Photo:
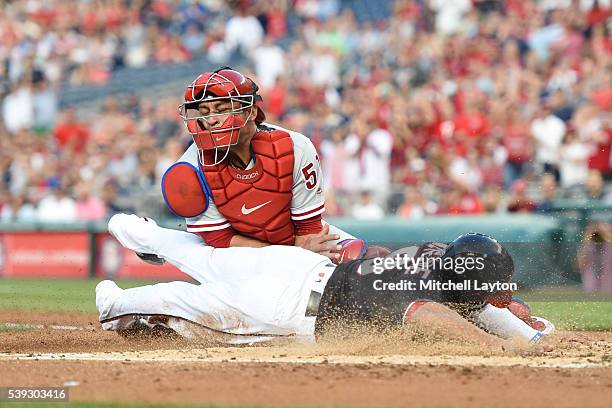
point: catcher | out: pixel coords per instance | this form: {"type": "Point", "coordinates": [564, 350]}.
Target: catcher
{"type": "Point", "coordinates": [244, 182]}
{"type": "Point", "coordinates": [246, 294]}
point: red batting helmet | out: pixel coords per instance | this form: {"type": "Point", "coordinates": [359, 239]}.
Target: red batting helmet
{"type": "Point", "coordinates": [227, 85]}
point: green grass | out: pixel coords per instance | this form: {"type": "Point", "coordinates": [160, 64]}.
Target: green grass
{"type": "Point", "coordinates": [54, 295]}
{"type": "Point", "coordinates": [576, 315]}
{"type": "Point", "coordinates": [567, 308]}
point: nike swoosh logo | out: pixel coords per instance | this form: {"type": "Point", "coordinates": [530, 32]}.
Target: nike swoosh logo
{"type": "Point", "coordinates": [247, 211]}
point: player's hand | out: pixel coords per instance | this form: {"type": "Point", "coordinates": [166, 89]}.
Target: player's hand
{"type": "Point", "coordinates": [319, 243]}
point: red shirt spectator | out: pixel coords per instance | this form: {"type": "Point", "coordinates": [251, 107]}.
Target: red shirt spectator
{"type": "Point", "coordinates": [275, 99]}
{"type": "Point", "coordinates": [69, 133]}
{"type": "Point", "coordinates": [520, 201]}
{"type": "Point", "coordinates": [277, 23]}
{"type": "Point", "coordinates": [473, 124]}
{"type": "Point", "coordinates": [600, 160]}
{"type": "Point", "coordinates": [516, 140]}
{"type": "Point", "coordinates": [471, 204]}
{"type": "Point", "coordinates": [603, 98]}
{"type": "Point", "coordinates": [597, 15]}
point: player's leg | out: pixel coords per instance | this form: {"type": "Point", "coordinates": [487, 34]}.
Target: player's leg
{"type": "Point", "coordinates": [170, 308]}
{"type": "Point", "coordinates": [119, 308]}
{"type": "Point", "coordinates": [269, 295]}
{"type": "Point", "coordinates": [182, 249]}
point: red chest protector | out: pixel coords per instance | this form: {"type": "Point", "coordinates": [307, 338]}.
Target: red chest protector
{"type": "Point", "coordinates": [257, 202]}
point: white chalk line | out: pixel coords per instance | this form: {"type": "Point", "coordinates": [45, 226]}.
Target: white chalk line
{"type": "Point", "coordinates": [33, 326]}
{"type": "Point", "coordinates": [228, 355]}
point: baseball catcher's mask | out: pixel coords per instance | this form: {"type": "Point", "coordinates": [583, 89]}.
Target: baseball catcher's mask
{"type": "Point", "coordinates": [214, 131]}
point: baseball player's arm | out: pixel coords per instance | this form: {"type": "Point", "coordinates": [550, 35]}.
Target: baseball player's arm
{"type": "Point", "coordinates": [308, 202]}
{"type": "Point", "coordinates": [342, 235]}
{"type": "Point", "coordinates": [319, 243]}
{"type": "Point", "coordinates": [441, 320]}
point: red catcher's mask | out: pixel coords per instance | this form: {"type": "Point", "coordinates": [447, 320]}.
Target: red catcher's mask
{"type": "Point", "coordinates": [214, 132]}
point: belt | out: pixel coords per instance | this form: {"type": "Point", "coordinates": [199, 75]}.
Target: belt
{"type": "Point", "coordinates": [314, 300]}
{"type": "Point", "coordinates": [313, 304]}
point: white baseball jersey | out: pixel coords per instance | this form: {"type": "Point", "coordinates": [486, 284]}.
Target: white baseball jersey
{"type": "Point", "coordinates": [308, 200]}
{"type": "Point", "coordinates": [248, 293]}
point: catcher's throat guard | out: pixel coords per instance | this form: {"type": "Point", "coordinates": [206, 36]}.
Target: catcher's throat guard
{"type": "Point", "coordinates": [185, 190]}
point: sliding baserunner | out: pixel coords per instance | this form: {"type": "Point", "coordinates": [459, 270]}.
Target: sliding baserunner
{"type": "Point", "coordinates": [246, 294]}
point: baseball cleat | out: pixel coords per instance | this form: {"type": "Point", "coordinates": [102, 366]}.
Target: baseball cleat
{"type": "Point", "coordinates": [151, 258]}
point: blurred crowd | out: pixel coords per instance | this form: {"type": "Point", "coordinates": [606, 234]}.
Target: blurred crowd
{"type": "Point", "coordinates": [446, 107]}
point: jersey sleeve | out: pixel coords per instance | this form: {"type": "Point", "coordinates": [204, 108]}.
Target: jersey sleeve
{"type": "Point", "coordinates": [308, 200]}
{"type": "Point", "coordinates": [211, 219]}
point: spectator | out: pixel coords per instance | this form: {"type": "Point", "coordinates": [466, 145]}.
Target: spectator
{"type": "Point", "coordinates": [519, 201]}
{"type": "Point", "coordinates": [415, 205]}
{"type": "Point", "coordinates": [593, 259]}
{"type": "Point", "coordinates": [573, 161]}
{"type": "Point", "coordinates": [269, 61]}
{"type": "Point", "coordinates": [112, 201]}
{"type": "Point", "coordinates": [243, 33]}
{"type": "Point", "coordinates": [548, 132]}
{"type": "Point", "coordinates": [449, 14]}
{"type": "Point", "coordinates": [594, 186]}
{"type": "Point", "coordinates": [44, 106]}
{"type": "Point", "coordinates": [518, 146]}
{"type": "Point", "coordinates": [69, 133]}
{"type": "Point", "coordinates": [88, 207]}
{"type": "Point", "coordinates": [18, 209]}
{"type": "Point", "coordinates": [18, 108]}
{"type": "Point", "coordinates": [366, 208]}
{"type": "Point", "coordinates": [601, 154]}
{"type": "Point", "coordinates": [466, 172]}
{"type": "Point", "coordinates": [548, 186]}
{"type": "Point", "coordinates": [193, 39]}
{"type": "Point", "coordinates": [375, 156]}
{"type": "Point", "coordinates": [448, 202]}
{"type": "Point", "coordinates": [334, 162]}
{"type": "Point", "coordinates": [57, 207]}
{"type": "Point", "coordinates": [493, 201]}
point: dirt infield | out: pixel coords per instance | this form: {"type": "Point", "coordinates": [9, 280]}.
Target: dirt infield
{"type": "Point", "coordinates": [71, 348]}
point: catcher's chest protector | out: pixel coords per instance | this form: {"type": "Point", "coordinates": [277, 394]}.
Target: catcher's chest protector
{"type": "Point", "coordinates": [257, 202]}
